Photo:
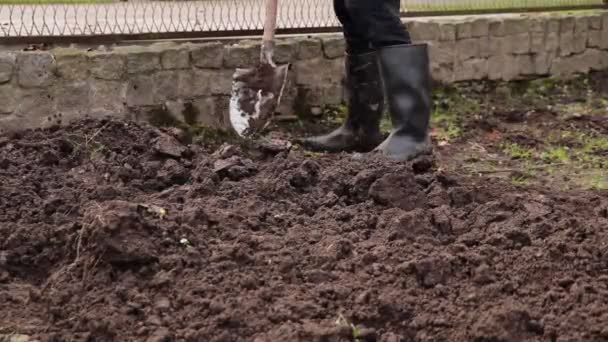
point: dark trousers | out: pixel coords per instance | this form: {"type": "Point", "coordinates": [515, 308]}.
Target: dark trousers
{"type": "Point", "coordinates": [370, 24]}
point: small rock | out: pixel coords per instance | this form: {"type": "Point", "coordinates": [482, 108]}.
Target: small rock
{"type": "Point", "coordinates": [275, 145]}
{"type": "Point", "coordinates": [168, 145]}
{"type": "Point", "coordinates": [226, 151]}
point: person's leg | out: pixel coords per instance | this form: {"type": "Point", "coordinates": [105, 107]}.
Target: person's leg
{"type": "Point", "coordinates": [405, 72]}
{"type": "Point", "coordinates": [365, 97]}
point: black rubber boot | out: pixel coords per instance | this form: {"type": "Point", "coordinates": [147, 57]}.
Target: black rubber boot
{"type": "Point", "coordinates": [406, 73]}
{"type": "Point", "coordinates": [365, 101]}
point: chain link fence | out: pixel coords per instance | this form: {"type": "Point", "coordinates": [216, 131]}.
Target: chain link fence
{"type": "Point", "coordinates": [145, 19]}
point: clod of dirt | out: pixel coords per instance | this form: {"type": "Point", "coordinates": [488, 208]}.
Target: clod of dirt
{"type": "Point", "coordinates": [398, 190]}
{"type": "Point", "coordinates": [120, 233]}
{"type": "Point", "coordinates": [509, 323]}
{"type": "Point", "coordinates": [234, 168]}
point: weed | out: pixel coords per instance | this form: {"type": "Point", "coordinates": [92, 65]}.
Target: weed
{"type": "Point", "coordinates": [342, 321]}
{"type": "Point", "coordinates": [450, 106]}
{"type": "Point", "coordinates": [516, 151]}
{"type": "Point", "coordinates": [556, 154]}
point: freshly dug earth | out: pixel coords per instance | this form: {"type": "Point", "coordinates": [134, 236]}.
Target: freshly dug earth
{"type": "Point", "coordinates": [116, 231]}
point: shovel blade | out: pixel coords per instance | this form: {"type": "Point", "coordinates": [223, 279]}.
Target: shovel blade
{"type": "Point", "coordinates": [256, 93]}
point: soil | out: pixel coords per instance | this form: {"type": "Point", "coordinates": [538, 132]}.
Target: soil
{"type": "Point", "coordinates": [120, 231]}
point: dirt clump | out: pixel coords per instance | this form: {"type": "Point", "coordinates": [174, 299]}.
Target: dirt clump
{"type": "Point", "coordinates": [118, 231]}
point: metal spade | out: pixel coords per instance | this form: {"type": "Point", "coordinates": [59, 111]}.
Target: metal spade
{"type": "Point", "coordinates": [257, 91]}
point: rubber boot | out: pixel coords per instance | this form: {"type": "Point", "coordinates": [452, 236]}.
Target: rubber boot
{"type": "Point", "coordinates": [406, 74]}
{"type": "Point", "coordinates": [360, 132]}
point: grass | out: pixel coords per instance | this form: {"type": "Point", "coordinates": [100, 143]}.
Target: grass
{"type": "Point", "coordinates": [450, 107]}
{"type": "Point", "coordinates": [446, 5]}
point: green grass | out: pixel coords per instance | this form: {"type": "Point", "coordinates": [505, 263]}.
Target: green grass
{"type": "Point", "coordinates": [446, 5]}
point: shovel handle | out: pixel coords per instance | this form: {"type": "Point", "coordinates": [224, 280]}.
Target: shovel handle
{"type": "Point", "coordinates": [270, 23]}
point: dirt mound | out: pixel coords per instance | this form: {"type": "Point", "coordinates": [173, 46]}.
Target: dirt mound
{"type": "Point", "coordinates": [117, 231]}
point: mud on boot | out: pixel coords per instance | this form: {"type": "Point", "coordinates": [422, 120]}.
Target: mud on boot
{"type": "Point", "coordinates": [360, 132]}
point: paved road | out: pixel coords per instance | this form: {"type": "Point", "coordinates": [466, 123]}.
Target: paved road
{"type": "Point", "coordinates": [159, 16]}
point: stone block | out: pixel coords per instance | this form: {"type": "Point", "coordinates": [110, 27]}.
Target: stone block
{"type": "Point", "coordinates": [566, 44]}
{"type": "Point", "coordinates": [594, 38]}
{"type": "Point", "coordinates": [580, 42]}
{"type": "Point", "coordinates": [35, 69]}
{"type": "Point", "coordinates": [9, 99]}
{"type": "Point", "coordinates": [537, 42]}
{"type": "Point", "coordinates": [553, 26]}
{"type": "Point", "coordinates": [497, 28]}
{"type": "Point", "coordinates": [517, 44]}
{"type": "Point", "coordinates": [566, 25]}
{"type": "Point", "coordinates": [467, 49]}
{"type": "Point", "coordinates": [72, 97]}
{"type": "Point", "coordinates": [605, 21]}
{"type": "Point", "coordinates": [581, 25]}
{"type": "Point", "coordinates": [319, 96]}
{"type": "Point", "coordinates": [542, 63]}
{"type": "Point", "coordinates": [221, 82]}
{"type": "Point", "coordinates": [72, 64]}
{"type": "Point", "coordinates": [7, 66]}
{"type": "Point", "coordinates": [485, 50]}
{"type": "Point", "coordinates": [588, 60]}
{"type": "Point", "coordinates": [34, 108]}
{"type": "Point", "coordinates": [604, 39]}
{"type": "Point", "coordinates": [464, 30]}
{"type": "Point", "coordinates": [140, 91]}
{"type": "Point", "coordinates": [480, 27]}
{"type": "Point", "coordinates": [307, 72]}
{"type": "Point", "coordinates": [334, 47]}
{"type": "Point", "coordinates": [309, 48]}
{"type": "Point", "coordinates": [564, 67]}
{"type": "Point", "coordinates": [205, 112]}
{"type": "Point", "coordinates": [525, 64]}
{"type": "Point", "coordinates": [108, 65]}
{"type": "Point", "coordinates": [447, 32]}
{"type": "Point", "coordinates": [495, 46]}
{"type": "Point", "coordinates": [108, 98]}
{"type": "Point", "coordinates": [503, 67]}
{"type": "Point", "coordinates": [208, 55]}
{"type": "Point", "coordinates": [424, 30]}
{"type": "Point", "coordinates": [175, 58]}
{"type": "Point", "coordinates": [603, 64]}
{"type": "Point", "coordinates": [140, 59]}
{"type": "Point", "coordinates": [442, 53]}
{"type": "Point", "coordinates": [285, 51]}
{"type": "Point", "coordinates": [442, 73]}
{"type": "Point", "coordinates": [516, 26]}
{"type": "Point", "coordinates": [595, 22]}
{"type": "Point", "coordinates": [166, 85]}
{"type": "Point", "coordinates": [538, 25]}
{"type": "Point", "coordinates": [552, 42]}
{"type": "Point", "coordinates": [472, 69]}
{"type": "Point", "coordinates": [194, 83]}
{"type": "Point", "coordinates": [242, 55]}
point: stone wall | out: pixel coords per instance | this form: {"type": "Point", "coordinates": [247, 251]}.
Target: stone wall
{"type": "Point", "coordinates": [191, 81]}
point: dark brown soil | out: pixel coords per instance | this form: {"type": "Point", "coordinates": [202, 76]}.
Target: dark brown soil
{"type": "Point", "coordinates": [115, 231]}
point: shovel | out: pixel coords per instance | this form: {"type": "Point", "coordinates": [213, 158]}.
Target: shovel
{"type": "Point", "coordinates": [257, 91]}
